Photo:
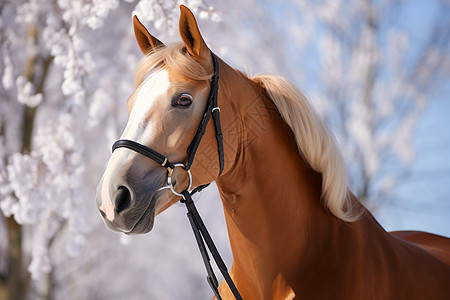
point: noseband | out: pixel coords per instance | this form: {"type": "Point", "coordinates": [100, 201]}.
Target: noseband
{"type": "Point", "coordinates": [200, 232]}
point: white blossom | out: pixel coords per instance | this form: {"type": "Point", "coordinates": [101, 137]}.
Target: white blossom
{"type": "Point", "coordinates": [25, 93]}
{"type": "Point", "coordinates": [8, 74]}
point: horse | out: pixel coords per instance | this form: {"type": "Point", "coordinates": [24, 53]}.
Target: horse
{"type": "Point", "coordinates": [296, 230]}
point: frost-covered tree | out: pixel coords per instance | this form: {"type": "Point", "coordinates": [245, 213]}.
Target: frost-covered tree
{"type": "Point", "coordinates": [67, 70]}
{"type": "Point", "coordinates": [377, 73]}
{"type": "Point", "coordinates": [62, 86]}
{"type": "Point", "coordinates": [369, 68]}
{"type": "Point", "coordinates": [45, 92]}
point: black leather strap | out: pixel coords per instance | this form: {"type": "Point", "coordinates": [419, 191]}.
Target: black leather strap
{"type": "Point", "coordinates": [202, 236]}
{"type": "Point", "coordinates": [144, 150]}
{"type": "Point", "coordinates": [211, 109]}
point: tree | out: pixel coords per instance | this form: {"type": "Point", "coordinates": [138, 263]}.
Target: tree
{"type": "Point", "coordinates": [370, 74]}
{"type": "Point", "coordinates": [52, 97]}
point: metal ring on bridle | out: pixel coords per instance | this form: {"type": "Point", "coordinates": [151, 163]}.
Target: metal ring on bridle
{"type": "Point", "coordinates": [169, 180]}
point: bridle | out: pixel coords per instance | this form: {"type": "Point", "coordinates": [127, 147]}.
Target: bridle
{"type": "Point", "coordinates": [200, 232]}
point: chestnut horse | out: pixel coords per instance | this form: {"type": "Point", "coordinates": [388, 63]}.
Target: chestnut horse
{"type": "Point", "coordinates": [295, 229]}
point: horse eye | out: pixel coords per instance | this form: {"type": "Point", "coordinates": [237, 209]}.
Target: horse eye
{"type": "Point", "coordinates": [184, 101]}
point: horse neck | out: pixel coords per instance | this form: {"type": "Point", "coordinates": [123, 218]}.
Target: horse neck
{"type": "Point", "coordinates": [271, 196]}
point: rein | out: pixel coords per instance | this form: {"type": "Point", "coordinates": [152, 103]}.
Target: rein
{"type": "Point", "coordinates": [198, 227]}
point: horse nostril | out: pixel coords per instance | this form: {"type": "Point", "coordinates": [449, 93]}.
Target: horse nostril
{"type": "Point", "coordinates": [122, 199]}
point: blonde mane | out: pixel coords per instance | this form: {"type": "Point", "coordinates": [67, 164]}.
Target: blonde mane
{"type": "Point", "coordinates": [175, 57]}
{"type": "Point", "coordinates": [315, 142]}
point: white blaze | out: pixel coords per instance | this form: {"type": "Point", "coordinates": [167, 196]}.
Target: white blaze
{"type": "Point", "coordinates": [150, 90]}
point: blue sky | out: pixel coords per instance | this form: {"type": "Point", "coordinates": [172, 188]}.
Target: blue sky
{"type": "Point", "coordinates": [423, 200]}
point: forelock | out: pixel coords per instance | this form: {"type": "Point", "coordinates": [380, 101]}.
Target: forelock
{"type": "Point", "coordinates": [176, 58]}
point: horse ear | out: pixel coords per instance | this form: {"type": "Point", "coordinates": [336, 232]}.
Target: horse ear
{"type": "Point", "coordinates": [145, 40]}
{"type": "Point", "coordinates": [191, 36]}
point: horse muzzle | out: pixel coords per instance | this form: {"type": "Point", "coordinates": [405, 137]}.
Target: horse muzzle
{"type": "Point", "coordinates": [127, 198]}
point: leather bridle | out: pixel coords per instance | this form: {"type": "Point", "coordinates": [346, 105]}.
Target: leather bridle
{"type": "Point", "coordinates": [201, 233]}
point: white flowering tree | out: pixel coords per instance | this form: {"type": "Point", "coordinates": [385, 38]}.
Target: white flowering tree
{"type": "Point", "coordinates": [370, 68]}
{"type": "Point", "coordinates": [67, 70]}
{"type": "Point", "coordinates": [380, 73]}
{"type": "Point", "coordinates": [62, 79]}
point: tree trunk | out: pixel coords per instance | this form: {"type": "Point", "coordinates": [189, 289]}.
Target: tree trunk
{"type": "Point", "coordinates": [14, 284]}
{"type": "Point", "coordinates": [15, 288]}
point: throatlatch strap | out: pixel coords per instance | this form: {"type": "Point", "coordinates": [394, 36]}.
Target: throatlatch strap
{"type": "Point", "coordinates": [202, 236]}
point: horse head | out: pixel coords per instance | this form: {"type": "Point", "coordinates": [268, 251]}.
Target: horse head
{"type": "Point", "coordinates": [172, 88]}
